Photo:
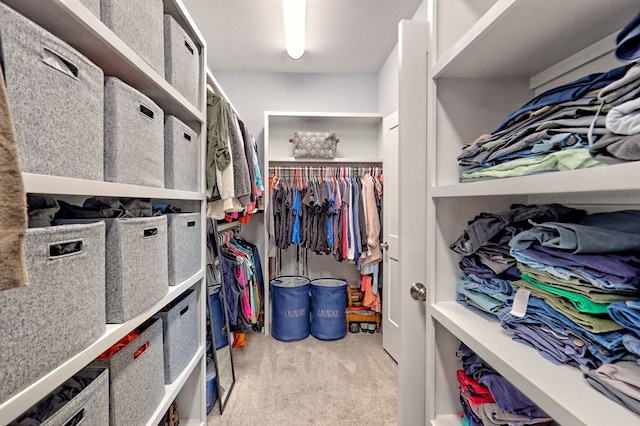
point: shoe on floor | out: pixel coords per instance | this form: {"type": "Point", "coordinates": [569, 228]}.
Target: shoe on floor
{"type": "Point", "coordinates": [354, 327]}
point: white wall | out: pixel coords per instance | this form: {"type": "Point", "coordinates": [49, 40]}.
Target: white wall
{"type": "Point", "coordinates": [388, 76]}
{"type": "Point", "coordinates": [253, 93]}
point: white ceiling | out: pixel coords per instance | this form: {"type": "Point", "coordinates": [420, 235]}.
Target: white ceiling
{"type": "Point", "coordinates": [343, 36]}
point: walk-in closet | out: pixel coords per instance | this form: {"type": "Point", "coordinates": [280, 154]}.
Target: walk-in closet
{"type": "Point", "coordinates": [314, 212]}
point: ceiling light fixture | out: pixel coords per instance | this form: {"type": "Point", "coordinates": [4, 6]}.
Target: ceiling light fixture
{"type": "Point", "coordinates": [294, 26]}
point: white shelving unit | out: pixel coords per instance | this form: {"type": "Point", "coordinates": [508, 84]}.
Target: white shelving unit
{"type": "Point", "coordinates": [76, 25]}
{"type": "Point", "coordinates": [360, 145]}
{"type": "Point", "coordinates": [486, 59]}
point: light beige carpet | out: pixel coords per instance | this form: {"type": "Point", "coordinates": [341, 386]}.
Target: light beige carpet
{"type": "Point", "coordinates": [351, 381]}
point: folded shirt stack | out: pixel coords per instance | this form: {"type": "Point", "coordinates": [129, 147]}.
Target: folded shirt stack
{"type": "Point", "coordinates": [488, 399]}
{"type": "Point", "coordinates": [488, 267]}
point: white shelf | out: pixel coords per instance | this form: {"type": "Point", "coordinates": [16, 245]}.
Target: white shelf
{"type": "Point", "coordinates": [28, 397]}
{"type": "Point", "coordinates": [618, 177]}
{"type": "Point", "coordinates": [323, 116]}
{"type": "Point", "coordinates": [448, 420]}
{"type": "Point", "coordinates": [324, 161]}
{"type": "Point", "coordinates": [44, 184]}
{"type": "Point", "coordinates": [561, 391]}
{"type": "Point", "coordinates": [521, 38]}
{"type": "Point", "coordinates": [172, 390]}
{"type": "Point", "coordinates": [75, 24]}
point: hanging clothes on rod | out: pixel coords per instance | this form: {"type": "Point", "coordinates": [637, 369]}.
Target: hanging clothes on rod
{"type": "Point", "coordinates": [242, 280]}
{"type": "Point", "coordinates": [330, 210]}
{"type": "Point", "coordinates": [234, 180]}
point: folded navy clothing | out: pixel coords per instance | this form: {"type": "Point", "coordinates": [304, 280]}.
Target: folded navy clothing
{"type": "Point", "coordinates": [570, 91]}
{"type": "Point", "coordinates": [628, 41]}
{"type": "Point", "coordinates": [54, 402]}
{"type": "Point", "coordinates": [509, 398]}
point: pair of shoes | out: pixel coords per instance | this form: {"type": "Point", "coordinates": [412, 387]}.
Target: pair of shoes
{"type": "Point", "coordinates": [367, 327]}
{"type": "Point", "coordinates": [354, 327]}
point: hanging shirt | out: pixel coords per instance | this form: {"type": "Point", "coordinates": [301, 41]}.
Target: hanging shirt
{"type": "Point", "coordinates": [297, 211]}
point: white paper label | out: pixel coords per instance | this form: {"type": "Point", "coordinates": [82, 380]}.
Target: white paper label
{"type": "Point", "coordinates": [520, 303]}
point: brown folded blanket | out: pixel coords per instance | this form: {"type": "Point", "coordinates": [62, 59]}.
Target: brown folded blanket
{"type": "Point", "coordinates": [13, 204]}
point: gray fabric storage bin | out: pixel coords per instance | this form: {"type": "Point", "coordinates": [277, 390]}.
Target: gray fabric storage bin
{"type": "Point", "coordinates": [56, 99]}
{"type": "Point", "coordinates": [89, 407]}
{"type": "Point", "coordinates": [133, 136]}
{"type": "Point", "coordinates": [184, 246]}
{"type": "Point", "coordinates": [180, 334]}
{"type": "Point", "coordinates": [93, 6]}
{"type": "Point", "coordinates": [136, 383]}
{"type": "Point", "coordinates": [181, 61]}
{"type": "Point", "coordinates": [136, 266]}
{"type": "Point", "coordinates": [62, 310]}
{"type": "Point", "coordinates": [181, 145]}
{"type": "Point", "coordinates": [139, 24]}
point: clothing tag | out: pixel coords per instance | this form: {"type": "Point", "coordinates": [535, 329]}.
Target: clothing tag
{"type": "Point", "coordinates": [520, 303]}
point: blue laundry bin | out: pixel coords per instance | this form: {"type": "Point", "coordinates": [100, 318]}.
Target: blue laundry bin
{"type": "Point", "coordinates": [220, 336]}
{"type": "Point", "coordinates": [328, 308]}
{"type": "Point", "coordinates": [290, 319]}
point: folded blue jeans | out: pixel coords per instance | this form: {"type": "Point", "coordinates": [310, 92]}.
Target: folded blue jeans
{"type": "Point", "coordinates": [607, 347]}
{"type": "Point", "coordinates": [627, 314]}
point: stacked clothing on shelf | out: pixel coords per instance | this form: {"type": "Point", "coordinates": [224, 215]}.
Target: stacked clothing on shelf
{"type": "Point", "coordinates": [487, 265]}
{"type": "Point", "coordinates": [548, 133]}
{"type": "Point", "coordinates": [234, 180]}
{"type": "Point", "coordinates": [488, 399]}
{"type": "Point", "coordinates": [574, 272]}
{"type": "Point", "coordinates": [553, 131]}
{"type": "Point", "coordinates": [43, 210]}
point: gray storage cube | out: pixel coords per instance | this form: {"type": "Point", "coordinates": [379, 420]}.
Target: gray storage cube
{"type": "Point", "coordinates": [62, 310]}
{"type": "Point", "coordinates": [133, 136]}
{"type": "Point", "coordinates": [139, 24]}
{"type": "Point", "coordinates": [136, 379]}
{"type": "Point", "coordinates": [93, 6]}
{"type": "Point", "coordinates": [136, 266]}
{"type": "Point", "coordinates": [181, 145]}
{"type": "Point", "coordinates": [180, 334]}
{"type": "Point", "coordinates": [184, 246]}
{"type": "Point", "coordinates": [181, 61]}
{"type": "Point", "coordinates": [56, 99]}
{"type": "Point", "coordinates": [89, 407]}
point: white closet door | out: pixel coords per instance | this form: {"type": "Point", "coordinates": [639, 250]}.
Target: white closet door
{"type": "Point", "coordinates": [391, 255]}
{"type": "Point", "coordinates": [412, 205]}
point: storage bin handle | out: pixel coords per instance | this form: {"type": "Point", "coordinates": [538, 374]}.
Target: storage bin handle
{"type": "Point", "coordinates": [184, 311]}
{"type": "Point", "coordinates": [187, 136]}
{"type": "Point", "coordinates": [68, 248]}
{"type": "Point", "coordinates": [146, 111]}
{"type": "Point", "coordinates": [77, 418]}
{"type": "Point", "coordinates": [140, 350]}
{"type": "Point", "coordinates": [191, 223]}
{"type": "Point", "coordinates": [189, 48]}
{"type": "Point", "coordinates": [57, 62]}
{"type": "Point", "coordinates": [151, 232]}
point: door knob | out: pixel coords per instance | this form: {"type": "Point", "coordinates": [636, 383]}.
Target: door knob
{"type": "Point", "coordinates": [385, 245]}
{"type": "Point", "coordinates": [419, 292]}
